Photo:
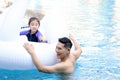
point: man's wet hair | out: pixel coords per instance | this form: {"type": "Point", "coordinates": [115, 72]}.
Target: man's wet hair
{"type": "Point", "coordinates": [67, 42]}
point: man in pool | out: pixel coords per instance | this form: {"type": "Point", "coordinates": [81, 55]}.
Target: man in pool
{"type": "Point", "coordinates": [63, 50]}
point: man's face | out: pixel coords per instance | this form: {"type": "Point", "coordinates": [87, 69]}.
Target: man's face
{"type": "Point", "coordinates": [61, 50]}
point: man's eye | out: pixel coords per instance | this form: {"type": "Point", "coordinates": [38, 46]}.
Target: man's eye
{"type": "Point", "coordinates": [59, 48]}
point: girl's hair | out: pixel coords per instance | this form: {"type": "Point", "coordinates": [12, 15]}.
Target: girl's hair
{"type": "Point", "coordinates": [32, 19]}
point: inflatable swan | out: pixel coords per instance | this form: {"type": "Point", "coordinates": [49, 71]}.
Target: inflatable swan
{"type": "Point", "coordinates": [13, 56]}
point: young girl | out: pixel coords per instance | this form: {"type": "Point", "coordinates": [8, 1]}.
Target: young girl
{"type": "Point", "coordinates": [33, 34]}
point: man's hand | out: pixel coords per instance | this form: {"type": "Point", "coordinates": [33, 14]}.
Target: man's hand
{"type": "Point", "coordinates": [71, 36]}
{"type": "Point", "coordinates": [29, 47]}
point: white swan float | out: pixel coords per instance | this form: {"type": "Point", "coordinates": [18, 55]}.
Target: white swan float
{"type": "Point", "coordinates": [13, 56]}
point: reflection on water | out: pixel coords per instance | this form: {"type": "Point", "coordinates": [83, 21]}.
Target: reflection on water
{"type": "Point", "coordinates": [98, 32]}
{"type": "Point", "coordinates": [95, 23]}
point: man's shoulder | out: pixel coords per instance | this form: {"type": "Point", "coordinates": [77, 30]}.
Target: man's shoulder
{"type": "Point", "coordinates": [73, 56]}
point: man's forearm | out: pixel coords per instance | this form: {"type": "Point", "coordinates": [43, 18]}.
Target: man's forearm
{"type": "Point", "coordinates": [76, 44]}
{"type": "Point", "coordinates": [36, 61]}
{"type": "Point", "coordinates": [77, 48]}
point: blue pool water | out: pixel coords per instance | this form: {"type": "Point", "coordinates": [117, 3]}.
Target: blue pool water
{"type": "Point", "coordinates": [96, 26]}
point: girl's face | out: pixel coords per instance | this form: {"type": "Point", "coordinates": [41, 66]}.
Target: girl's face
{"type": "Point", "coordinates": [34, 26]}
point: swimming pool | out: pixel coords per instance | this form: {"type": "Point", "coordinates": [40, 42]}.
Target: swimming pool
{"type": "Point", "coordinates": [96, 26]}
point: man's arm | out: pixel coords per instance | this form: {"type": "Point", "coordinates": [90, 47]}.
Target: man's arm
{"type": "Point", "coordinates": [60, 67]}
{"type": "Point", "coordinates": [78, 49]}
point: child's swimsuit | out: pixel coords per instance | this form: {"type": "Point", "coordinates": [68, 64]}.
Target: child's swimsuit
{"type": "Point", "coordinates": [32, 37]}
